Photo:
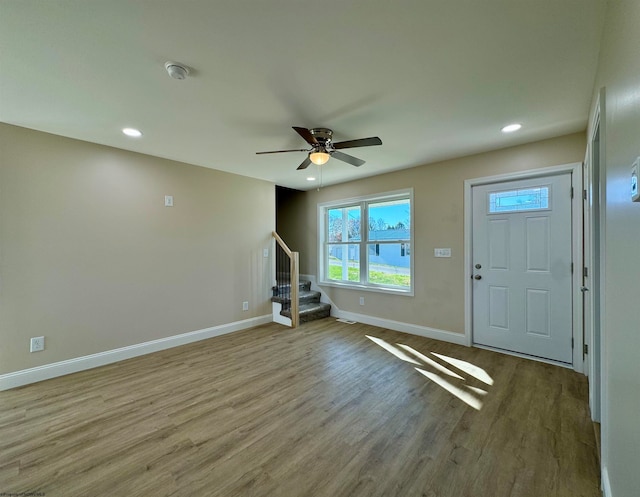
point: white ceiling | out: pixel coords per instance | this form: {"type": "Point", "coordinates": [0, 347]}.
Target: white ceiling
{"type": "Point", "coordinates": [434, 79]}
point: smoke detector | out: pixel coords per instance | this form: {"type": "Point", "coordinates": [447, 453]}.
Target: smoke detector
{"type": "Point", "coordinates": [175, 70]}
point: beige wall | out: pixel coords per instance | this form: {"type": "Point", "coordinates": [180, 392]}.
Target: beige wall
{"type": "Point", "coordinates": [619, 73]}
{"type": "Point", "coordinates": [91, 259]}
{"type": "Point", "coordinates": [438, 220]}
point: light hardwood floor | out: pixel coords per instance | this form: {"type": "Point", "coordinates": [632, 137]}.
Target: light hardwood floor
{"type": "Point", "coordinates": [319, 411]}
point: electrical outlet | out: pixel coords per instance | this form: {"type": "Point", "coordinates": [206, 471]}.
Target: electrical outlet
{"type": "Point", "coordinates": [245, 306]}
{"type": "Point", "coordinates": [361, 300]}
{"type": "Point", "coordinates": [265, 253]}
{"type": "Point", "coordinates": [37, 344]}
{"type": "Point", "coordinates": [168, 200]}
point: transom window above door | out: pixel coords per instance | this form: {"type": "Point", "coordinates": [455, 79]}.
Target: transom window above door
{"type": "Point", "coordinates": [527, 199]}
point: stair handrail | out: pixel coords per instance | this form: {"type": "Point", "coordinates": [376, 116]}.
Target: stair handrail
{"type": "Point", "coordinates": [294, 271]}
{"type": "Point", "coordinates": [281, 242]}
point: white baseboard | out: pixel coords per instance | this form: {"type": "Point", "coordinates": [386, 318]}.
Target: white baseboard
{"type": "Point", "coordinates": [606, 485]}
{"type": "Point", "coordinates": [413, 329]}
{"type": "Point", "coordinates": [48, 371]}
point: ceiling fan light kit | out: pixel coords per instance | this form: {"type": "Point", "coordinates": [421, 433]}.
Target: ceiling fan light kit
{"type": "Point", "coordinates": [319, 158]}
{"type": "Point", "coordinates": [323, 148]}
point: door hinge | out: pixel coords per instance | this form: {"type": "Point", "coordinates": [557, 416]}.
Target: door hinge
{"type": "Point", "coordinates": [572, 268]}
{"type": "Point", "coordinates": [585, 349]}
{"type": "Point", "coordinates": [572, 342]}
{"type": "Point", "coordinates": [584, 194]}
{"type": "Point", "coordinates": [585, 272]}
{"type": "Point", "coordinates": [572, 192]}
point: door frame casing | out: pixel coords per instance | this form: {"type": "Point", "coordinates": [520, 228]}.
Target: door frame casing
{"type": "Point", "coordinates": [597, 121]}
{"type": "Point", "coordinates": [594, 260]}
{"type": "Point", "coordinates": [575, 169]}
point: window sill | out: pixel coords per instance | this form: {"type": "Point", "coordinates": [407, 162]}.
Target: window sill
{"type": "Point", "coordinates": [368, 288]}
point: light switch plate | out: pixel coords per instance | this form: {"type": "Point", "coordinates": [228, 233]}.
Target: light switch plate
{"type": "Point", "coordinates": [442, 252]}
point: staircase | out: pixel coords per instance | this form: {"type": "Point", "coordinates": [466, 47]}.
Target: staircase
{"type": "Point", "coordinates": [310, 307]}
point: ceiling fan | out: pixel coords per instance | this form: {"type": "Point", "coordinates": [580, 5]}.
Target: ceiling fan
{"type": "Point", "coordinates": [322, 148]}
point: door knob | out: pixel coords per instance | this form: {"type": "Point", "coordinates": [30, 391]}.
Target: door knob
{"type": "Point", "coordinates": [477, 277]}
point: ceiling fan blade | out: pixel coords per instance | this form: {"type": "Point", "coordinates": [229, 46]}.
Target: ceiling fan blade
{"type": "Point", "coordinates": [305, 164]}
{"type": "Point", "coordinates": [280, 151]}
{"type": "Point", "coordinates": [306, 134]}
{"type": "Point", "coordinates": [350, 159]}
{"type": "Point", "coordinates": [362, 142]}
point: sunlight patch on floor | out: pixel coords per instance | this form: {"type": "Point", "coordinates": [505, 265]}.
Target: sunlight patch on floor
{"type": "Point", "coordinates": [466, 397]}
{"type": "Point", "coordinates": [430, 362]}
{"type": "Point", "coordinates": [466, 393]}
{"type": "Point", "coordinates": [472, 370]}
{"type": "Point", "coordinates": [476, 390]}
{"type": "Point", "coordinates": [393, 349]}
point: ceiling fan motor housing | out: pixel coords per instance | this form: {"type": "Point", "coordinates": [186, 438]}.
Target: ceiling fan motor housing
{"type": "Point", "coordinates": [322, 134]}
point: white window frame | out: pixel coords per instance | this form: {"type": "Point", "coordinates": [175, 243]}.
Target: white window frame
{"type": "Point", "coordinates": [364, 202]}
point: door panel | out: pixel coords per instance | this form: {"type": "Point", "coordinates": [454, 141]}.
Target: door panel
{"type": "Point", "coordinates": [499, 307]}
{"type": "Point", "coordinates": [499, 243]}
{"type": "Point", "coordinates": [537, 243]}
{"type": "Point", "coordinates": [522, 288]}
{"type": "Point", "coordinates": [538, 312]}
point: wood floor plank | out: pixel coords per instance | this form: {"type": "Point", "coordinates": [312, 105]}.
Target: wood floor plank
{"type": "Point", "coordinates": [328, 409]}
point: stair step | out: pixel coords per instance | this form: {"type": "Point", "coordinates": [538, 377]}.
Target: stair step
{"type": "Point", "coordinates": [311, 311]}
{"type": "Point", "coordinates": [310, 307]}
{"type": "Point", "coordinates": [304, 297]}
{"type": "Point", "coordinates": [308, 297]}
{"type": "Point", "coordinates": [285, 288]}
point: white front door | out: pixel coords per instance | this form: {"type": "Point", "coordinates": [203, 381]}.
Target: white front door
{"type": "Point", "coordinates": [522, 299]}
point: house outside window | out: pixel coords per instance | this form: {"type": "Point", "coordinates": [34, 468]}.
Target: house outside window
{"type": "Point", "coordinates": [365, 242]}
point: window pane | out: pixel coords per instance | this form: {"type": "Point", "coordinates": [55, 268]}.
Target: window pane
{"type": "Point", "coordinates": [389, 264]}
{"type": "Point", "coordinates": [519, 200]}
{"type": "Point", "coordinates": [344, 224]}
{"type": "Point", "coordinates": [390, 220]}
{"type": "Point", "coordinates": [343, 262]}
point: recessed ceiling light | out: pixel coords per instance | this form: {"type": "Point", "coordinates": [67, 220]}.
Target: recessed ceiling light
{"type": "Point", "coordinates": [510, 128]}
{"type": "Point", "coordinates": [134, 133]}
{"type": "Point", "coordinates": [311, 178]}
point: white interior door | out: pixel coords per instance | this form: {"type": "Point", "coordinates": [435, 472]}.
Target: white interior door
{"type": "Point", "coordinates": [521, 246]}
